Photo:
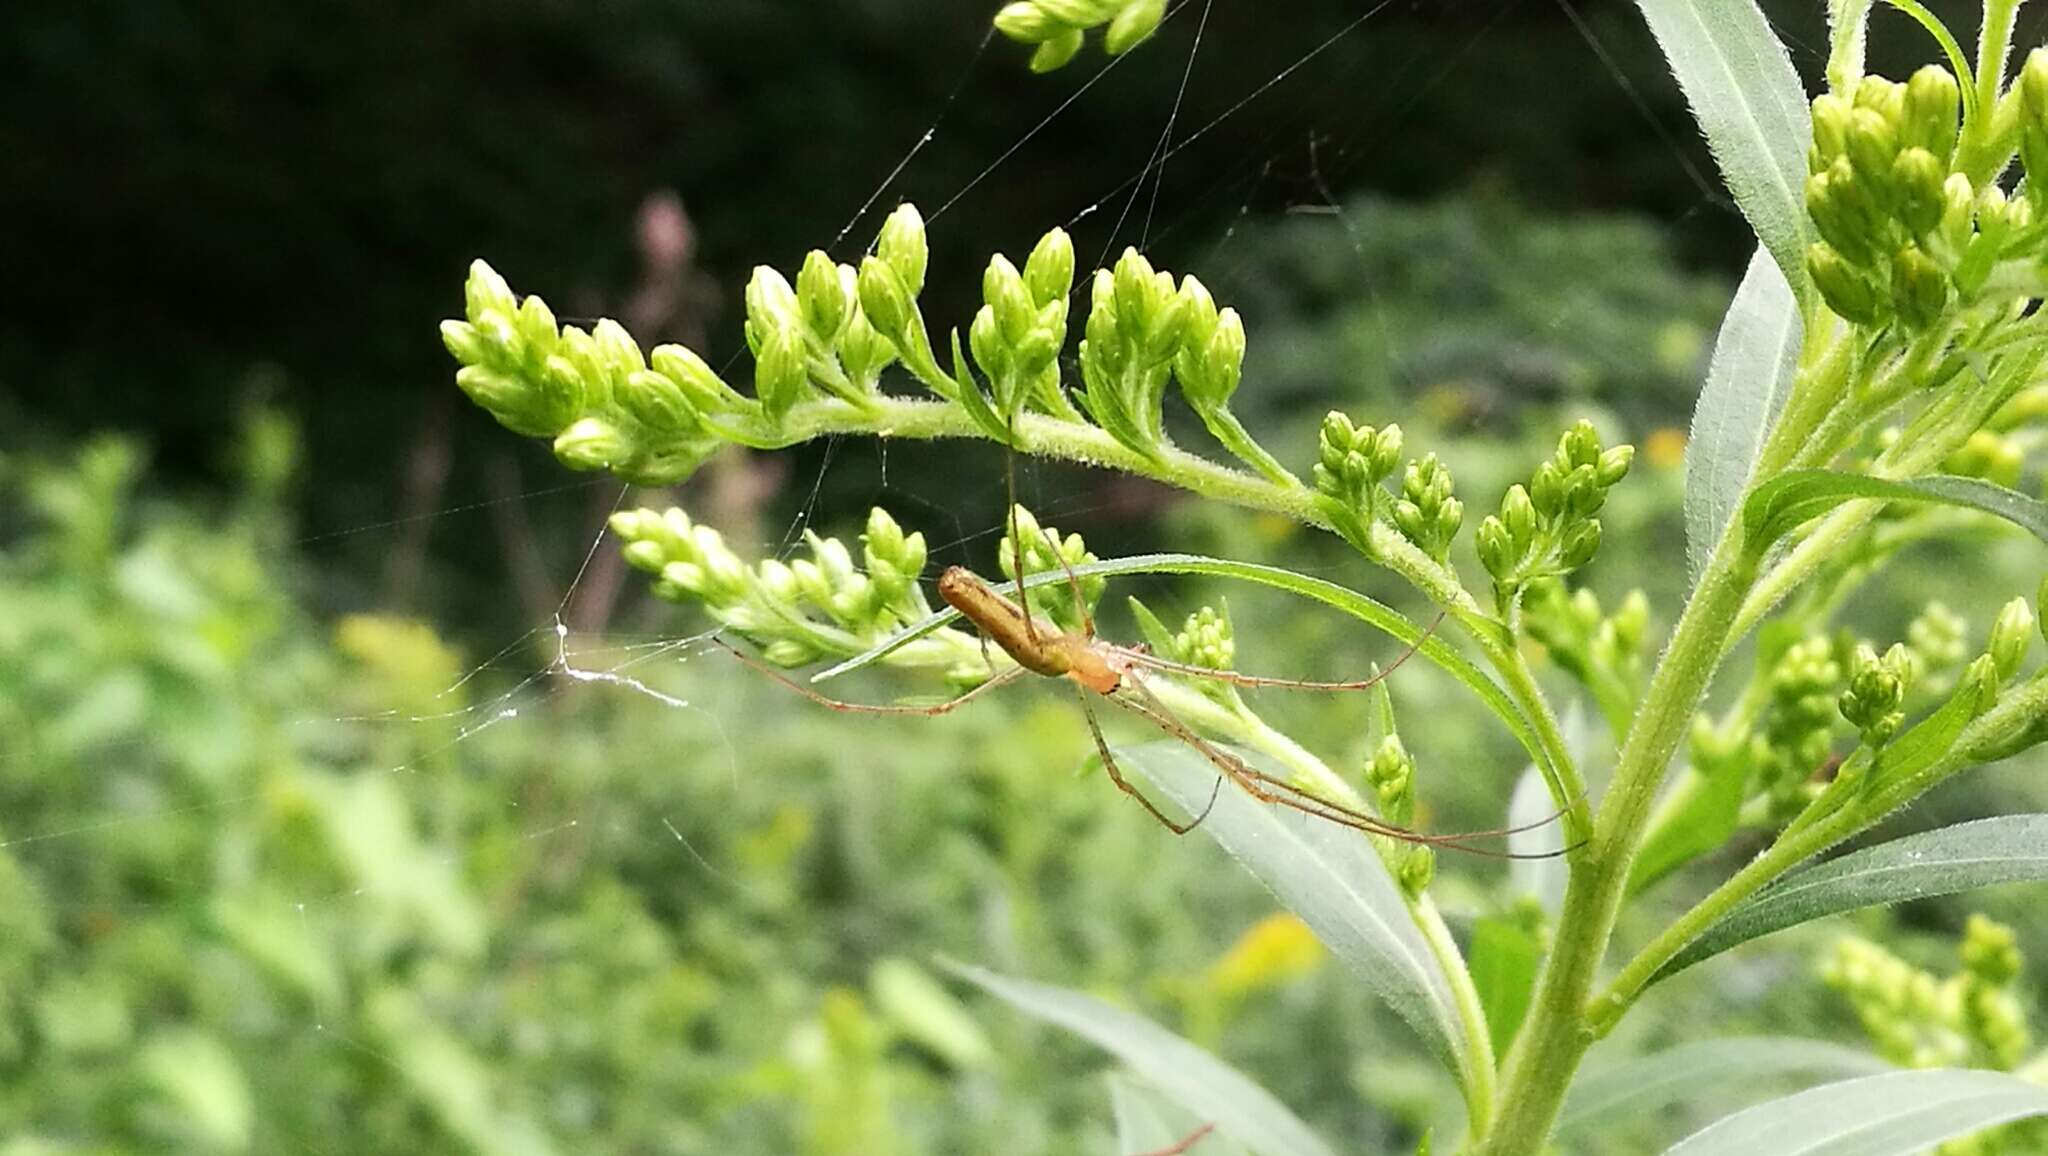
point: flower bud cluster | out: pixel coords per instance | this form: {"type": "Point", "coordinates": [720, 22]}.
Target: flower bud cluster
{"type": "Point", "coordinates": [1426, 513]}
{"type": "Point", "coordinates": [817, 336]}
{"type": "Point", "coordinates": [1390, 772]}
{"type": "Point", "coordinates": [1549, 528]}
{"type": "Point", "coordinates": [1056, 26]}
{"type": "Point", "coordinates": [1021, 327]}
{"type": "Point", "coordinates": [1046, 552]}
{"type": "Point", "coordinates": [605, 406]}
{"type": "Point", "coordinates": [1938, 640]}
{"type": "Point", "coordinates": [1973, 1018]}
{"type": "Point", "coordinates": [1795, 732]}
{"type": "Point", "coordinates": [1895, 220]}
{"type": "Point", "coordinates": [1352, 463]}
{"type": "Point", "coordinates": [1205, 639]}
{"type": "Point", "coordinates": [808, 608]}
{"type": "Point", "coordinates": [1133, 337]}
{"type": "Point", "coordinates": [1990, 455]}
{"type": "Point", "coordinates": [1876, 692]}
{"type": "Point", "coordinates": [1604, 652]}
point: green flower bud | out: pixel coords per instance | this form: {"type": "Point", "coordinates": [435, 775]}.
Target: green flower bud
{"type": "Point", "coordinates": [1887, 98]}
{"type": "Point", "coordinates": [1385, 455]}
{"type": "Point", "coordinates": [1207, 639]}
{"type": "Point", "coordinates": [506, 398]}
{"type": "Point", "coordinates": [2011, 634]}
{"type": "Point", "coordinates": [1830, 130]}
{"type": "Point", "coordinates": [1027, 23]}
{"type": "Point", "coordinates": [1614, 465]}
{"type": "Point", "coordinates": [771, 304]}
{"type": "Point", "coordinates": [1928, 119]}
{"type": "Point", "coordinates": [1877, 686]}
{"type": "Point", "coordinates": [1426, 513]}
{"type": "Point", "coordinates": [1958, 214]}
{"type": "Point", "coordinates": [1847, 291]}
{"type": "Point", "coordinates": [1496, 549]}
{"type": "Point", "coordinates": [1418, 868]}
{"type": "Point", "coordinates": [902, 246]}
{"type": "Point", "coordinates": [591, 444]}
{"type": "Point", "coordinates": [658, 403]}
{"type": "Point", "coordinates": [463, 342]}
{"type": "Point", "coordinates": [706, 391]}
{"type": "Point", "coordinates": [537, 328]}
{"type": "Point", "coordinates": [863, 352]}
{"type": "Point", "coordinates": [1137, 21]}
{"type": "Point", "coordinates": [1872, 146]}
{"type": "Point", "coordinates": [1049, 271]}
{"type": "Point", "coordinates": [1581, 542]}
{"type": "Point", "coordinates": [1201, 313]}
{"type": "Point", "coordinates": [822, 297]}
{"type": "Point", "coordinates": [886, 301]}
{"type": "Point", "coordinates": [779, 372]}
{"type": "Point", "coordinates": [1391, 774]}
{"type": "Point", "coordinates": [2033, 86]}
{"type": "Point", "coordinates": [485, 293]}
{"type": "Point", "coordinates": [665, 468]}
{"type": "Point", "coordinates": [1518, 514]}
{"type": "Point", "coordinates": [1920, 288]}
{"type": "Point", "coordinates": [1002, 287]}
{"type": "Point", "coordinates": [1991, 951]}
{"type": "Point", "coordinates": [1918, 178]}
{"type": "Point", "coordinates": [1056, 51]}
{"type": "Point", "coordinates": [1579, 445]}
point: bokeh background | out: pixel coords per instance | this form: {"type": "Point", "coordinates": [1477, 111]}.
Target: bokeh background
{"type": "Point", "coordinates": [306, 846]}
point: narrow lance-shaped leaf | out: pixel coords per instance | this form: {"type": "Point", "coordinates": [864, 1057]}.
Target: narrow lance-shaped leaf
{"type": "Point", "coordinates": [1755, 358]}
{"type": "Point", "coordinates": [1205, 1085]}
{"type": "Point", "coordinates": [1749, 103]}
{"type": "Point", "coordinates": [1642, 1085]}
{"type": "Point", "coordinates": [1892, 1114]}
{"type": "Point", "coordinates": [1148, 1122]}
{"type": "Point", "coordinates": [1790, 500]}
{"type": "Point", "coordinates": [2008, 849]}
{"type": "Point", "coordinates": [1329, 875]}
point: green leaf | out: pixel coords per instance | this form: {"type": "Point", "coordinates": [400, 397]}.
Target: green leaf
{"type": "Point", "coordinates": [1931, 737]}
{"type": "Point", "coordinates": [1790, 500]}
{"type": "Point", "coordinates": [1148, 1122]}
{"type": "Point", "coordinates": [1211, 1089]}
{"type": "Point", "coordinates": [1748, 379]}
{"type": "Point", "coordinates": [1642, 1085]}
{"type": "Point", "coordinates": [1893, 1114]}
{"type": "Point", "coordinates": [1504, 956]}
{"type": "Point", "coordinates": [1749, 103]}
{"type": "Point", "coordinates": [1329, 875]}
{"type": "Point", "coordinates": [1709, 816]}
{"type": "Point", "coordinates": [2008, 849]}
{"type": "Point", "coordinates": [1367, 610]}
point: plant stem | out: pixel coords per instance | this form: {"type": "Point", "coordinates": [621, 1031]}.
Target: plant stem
{"type": "Point", "coordinates": [1799, 843]}
{"type": "Point", "coordinates": [1556, 1035]}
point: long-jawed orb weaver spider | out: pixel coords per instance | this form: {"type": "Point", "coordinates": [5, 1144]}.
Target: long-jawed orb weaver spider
{"type": "Point", "coordinates": [1116, 673]}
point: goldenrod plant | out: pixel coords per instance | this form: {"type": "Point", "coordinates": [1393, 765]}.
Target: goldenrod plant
{"type": "Point", "coordinates": [1877, 382]}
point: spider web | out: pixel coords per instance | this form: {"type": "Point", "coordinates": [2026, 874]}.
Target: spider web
{"type": "Point", "coordinates": [521, 682]}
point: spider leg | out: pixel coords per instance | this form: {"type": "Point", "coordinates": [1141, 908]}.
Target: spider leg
{"type": "Point", "coordinates": [1155, 662]}
{"type": "Point", "coordinates": [1186, 1142]}
{"type": "Point", "coordinates": [935, 709]}
{"type": "Point", "coordinates": [1122, 784]}
{"type": "Point", "coordinates": [1268, 789]}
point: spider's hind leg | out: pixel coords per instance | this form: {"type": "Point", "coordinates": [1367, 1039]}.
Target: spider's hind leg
{"type": "Point", "coordinates": [1116, 776]}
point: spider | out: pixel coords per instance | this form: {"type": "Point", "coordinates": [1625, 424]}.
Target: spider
{"type": "Point", "coordinates": [1116, 673]}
